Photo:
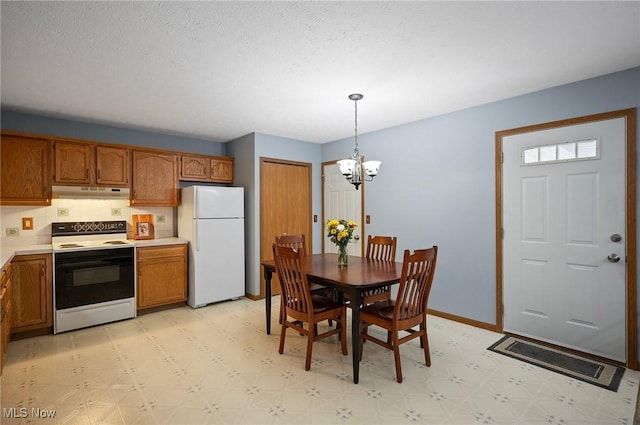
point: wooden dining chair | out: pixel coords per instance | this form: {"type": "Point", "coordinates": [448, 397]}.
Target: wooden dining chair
{"type": "Point", "coordinates": [301, 307]}
{"type": "Point", "coordinates": [407, 311]}
{"type": "Point", "coordinates": [298, 242]}
{"type": "Point", "coordinates": [381, 248]}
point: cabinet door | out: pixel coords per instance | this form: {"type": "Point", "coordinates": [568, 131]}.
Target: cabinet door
{"type": "Point", "coordinates": [72, 163]}
{"type": "Point", "coordinates": [194, 168]}
{"type": "Point", "coordinates": [155, 179]}
{"type": "Point", "coordinates": [222, 170]}
{"type": "Point", "coordinates": [24, 171]}
{"type": "Point", "coordinates": [162, 275]}
{"type": "Point", "coordinates": [112, 166]}
{"type": "Point", "coordinates": [32, 293]}
{"type": "Point", "coordinates": [5, 313]}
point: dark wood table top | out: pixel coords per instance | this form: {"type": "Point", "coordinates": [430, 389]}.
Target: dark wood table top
{"type": "Point", "coordinates": [360, 273]}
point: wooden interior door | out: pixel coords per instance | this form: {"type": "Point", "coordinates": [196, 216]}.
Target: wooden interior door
{"type": "Point", "coordinates": [285, 206]}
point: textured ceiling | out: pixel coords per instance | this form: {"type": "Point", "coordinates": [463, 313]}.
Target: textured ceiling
{"type": "Point", "coordinates": [220, 70]}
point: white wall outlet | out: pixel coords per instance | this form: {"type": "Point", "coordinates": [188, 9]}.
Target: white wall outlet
{"type": "Point", "coordinates": [160, 219]}
{"type": "Point", "coordinates": [13, 231]}
{"type": "Point", "coordinates": [63, 212]}
{"type": "Point", "coordinates": [116, 212]}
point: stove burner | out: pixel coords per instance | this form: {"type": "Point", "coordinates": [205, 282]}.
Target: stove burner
{"type": "Point", "coordinates": [70, 245]}
{"type": "Point", "coordinates": [115, 243]}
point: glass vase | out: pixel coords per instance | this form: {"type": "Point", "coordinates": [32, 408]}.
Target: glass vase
{"type": "Point", "coordinates": [342, 255]}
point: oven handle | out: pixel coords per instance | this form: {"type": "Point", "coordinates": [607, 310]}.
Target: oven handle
{"type": "Point", "coordinates": [90, 256]}
{"type": "Point", "coordinates": [90, 263]}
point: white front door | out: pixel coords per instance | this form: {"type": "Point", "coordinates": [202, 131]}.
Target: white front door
{"type": "Point", "coordinates": [341, 200]}
{"type": "Point", "coordinates": [561, 280]}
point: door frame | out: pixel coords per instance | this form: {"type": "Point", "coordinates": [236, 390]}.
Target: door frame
{"type": "Point", "coordinates": [362, 215]}
{"type": "Point", "coordinates": [631, 271]}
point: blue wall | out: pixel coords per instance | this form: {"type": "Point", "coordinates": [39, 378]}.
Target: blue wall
{"type": "Point", "coordinates": [436, 184]}
{"type": "Point", "coordinates": [439, 174]}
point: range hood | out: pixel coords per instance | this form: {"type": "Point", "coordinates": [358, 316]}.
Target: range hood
{"type": "Point", "coordinates": [93, 192]}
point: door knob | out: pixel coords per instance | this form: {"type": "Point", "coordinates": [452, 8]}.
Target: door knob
{"type": "Point", "coordinates": [356, 237]}
{"type": "Point", "coordinates": [614, 258]}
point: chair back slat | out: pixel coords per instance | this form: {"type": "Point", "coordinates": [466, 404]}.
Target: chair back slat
{"type": "Point", "coordinates": [381, 248]}
{"type": "Point", "coordinates": [293, 278]}
{"type": "Point", "coordinates": [293, 241]}
{"type": "Point", "coordinates": [415, 283]}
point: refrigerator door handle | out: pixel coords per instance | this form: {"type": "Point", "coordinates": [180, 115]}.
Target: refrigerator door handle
{"type": "Point", "coordinates": [195, 235]}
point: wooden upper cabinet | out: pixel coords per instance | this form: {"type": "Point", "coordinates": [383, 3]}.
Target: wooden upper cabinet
{"type": "Point", "coordinates": [88, 164]}
{"type": "Point", "coordinates": [72, 163]}
{"type": "Point", "coordinates": [222, 169]}
{"type": "Point", "coordinates": [112, 166]}
{"type": "Point", "coordinates": [193, 167]}
{"type": "Point", "coordinates": [214, 169]}
{"type": "Point", "coordinates": [155, 179]}
{"type": "Point", "coordinates": [31, 164]}
{"type": "Point", "coordinates": [25, 177]}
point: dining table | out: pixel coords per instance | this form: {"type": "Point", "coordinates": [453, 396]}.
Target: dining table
{"type": "Point", "coordinates": [358, 276]}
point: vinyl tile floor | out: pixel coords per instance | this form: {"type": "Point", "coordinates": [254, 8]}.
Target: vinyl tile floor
{"type": "Point", "coordinates": [216, 365]}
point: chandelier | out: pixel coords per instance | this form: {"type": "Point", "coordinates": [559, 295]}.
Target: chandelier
{"type": "Point", "coordinates": [354, 170]}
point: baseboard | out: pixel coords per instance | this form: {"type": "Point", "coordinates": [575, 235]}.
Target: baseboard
{"type": "Point", "coordinates": [254, 297]}
{"type": "Point", "coordinates": [465, 320]}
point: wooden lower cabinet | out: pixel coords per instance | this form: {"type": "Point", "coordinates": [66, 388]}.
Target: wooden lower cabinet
{"type": "Point", "coordinates": [162, 275]}
{"type": "Point", "coordinates": [32, 293]}
{"type": "Point", "coordinates": [5, 314]}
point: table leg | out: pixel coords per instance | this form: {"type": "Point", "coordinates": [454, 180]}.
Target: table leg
{"type": "Point", "coordinates": [267, 297]}
{"type": "Point", "coordinates": [356, 300]}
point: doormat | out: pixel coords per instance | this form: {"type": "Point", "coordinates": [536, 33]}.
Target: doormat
{"type": "Point", "coordinates": [585, 369]}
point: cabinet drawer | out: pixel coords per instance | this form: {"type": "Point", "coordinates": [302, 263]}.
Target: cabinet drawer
{"type": "Point", "coordinates": [151, 252]}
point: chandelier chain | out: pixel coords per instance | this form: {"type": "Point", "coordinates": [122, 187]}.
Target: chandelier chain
{"type": "Point", "coordinates": [357, 151]}
{"type": "Point", "coordinates": [354, 170]}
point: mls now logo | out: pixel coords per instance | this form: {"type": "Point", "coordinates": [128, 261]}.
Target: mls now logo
{"type": "Point", "coordinates": [23, 412]}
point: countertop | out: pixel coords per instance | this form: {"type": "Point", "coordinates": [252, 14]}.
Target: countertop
{"type": "Point", "coordinates": [8, 252]}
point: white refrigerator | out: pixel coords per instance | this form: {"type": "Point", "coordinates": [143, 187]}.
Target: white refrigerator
{"type": "Point", "coordinates": [211, 218]}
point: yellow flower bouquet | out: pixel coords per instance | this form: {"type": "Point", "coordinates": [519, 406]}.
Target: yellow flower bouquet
{"type": "Point", "coordinates": [340, 232]}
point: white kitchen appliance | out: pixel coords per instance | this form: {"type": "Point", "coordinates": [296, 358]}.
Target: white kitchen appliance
{"type": "Point", "coordinates": [93, 274]}
{"type": "Point", "coordinates": [211, 218]}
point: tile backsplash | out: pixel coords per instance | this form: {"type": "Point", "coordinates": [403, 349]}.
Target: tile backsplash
{"type": "Point", "coordinates": [11, 218]}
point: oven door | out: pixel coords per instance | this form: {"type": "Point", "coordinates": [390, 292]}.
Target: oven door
{"type": "Point", "coordinates": [95, 276]}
